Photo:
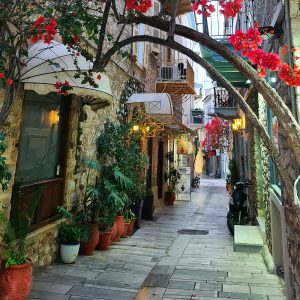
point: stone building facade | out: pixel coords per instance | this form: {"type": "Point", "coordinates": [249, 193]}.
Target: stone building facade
{"type": "Point", "coordinates": [85, 125]}
{"type": "Point", "coordinates": [281, 213]}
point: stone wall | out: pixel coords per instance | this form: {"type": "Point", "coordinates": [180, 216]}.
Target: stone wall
{"type": "Point", "coordinates": [12, 131]}
{"type": "Point", "coordinates": [85, 126]}
{"type": "Point", "coordinates": [292, 212]}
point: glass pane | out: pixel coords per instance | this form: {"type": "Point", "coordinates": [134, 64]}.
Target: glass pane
{"type": "Point", "coordinates": [40, 137]}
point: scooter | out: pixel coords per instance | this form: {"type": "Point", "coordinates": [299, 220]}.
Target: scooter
{"type": "Point", "coordinates": [238, 206]}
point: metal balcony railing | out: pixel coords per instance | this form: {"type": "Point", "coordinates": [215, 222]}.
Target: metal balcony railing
{"type": "Point", "coordinates": [197, 116]}
{"type": "Point", "coordinates": [223, 98]}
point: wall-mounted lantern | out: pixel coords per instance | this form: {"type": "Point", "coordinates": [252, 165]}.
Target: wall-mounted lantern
{"type": "Point", "coordinates": [53, 117]}
{"type": "Point", "coordinates": [239, 124]}
{"type": "Point", "coordinates": [143, 129]}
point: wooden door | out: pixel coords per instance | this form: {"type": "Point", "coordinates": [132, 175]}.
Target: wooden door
{"type": "Point", "coordinates": [42, 153]}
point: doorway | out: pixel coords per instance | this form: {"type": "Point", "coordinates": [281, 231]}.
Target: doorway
{"type": "Point", "coordinates": [42, 154]}
{"type": "Point", "coordinates": [160, 169]}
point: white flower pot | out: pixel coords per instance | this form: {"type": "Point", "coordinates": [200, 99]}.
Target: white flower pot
{"type": "Point", "coordinates": [69, 252]}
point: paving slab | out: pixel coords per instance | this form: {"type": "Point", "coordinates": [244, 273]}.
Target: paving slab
{"type": "Point", "coordinates": [159, 263]}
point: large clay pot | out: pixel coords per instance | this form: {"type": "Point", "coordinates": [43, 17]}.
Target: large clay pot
{"type": "Point", "coordinates": [130, 228]}
{"type": "Point", "coordinates": [114, 233]}
{"type": "Point", "coordinates": [126, 224]}
{"type": "Point", "coordinates": [137, 210]}
{"type": "Point", "coordinates": [120, 226]}
{"type": "Point", "coordinates": [147, 210]}
{"type": "Point", "coordinates": [69, 252]}
{"type": "Point", "coordinates": [88, 247]}
{"type": "Point", "coordinates": [170, 198]}
{"type": "Point", "coordinates": [104, 240]}
{"type": "Point", "coordinates": [15, 282]}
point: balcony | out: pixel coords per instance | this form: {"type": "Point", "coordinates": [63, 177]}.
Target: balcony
{"type": "Point", "coordinates": [225, 104]}
{"type": "Point", "coordinates": [176, 77]}
{"type": "Point", "coordinates": [197, 116]}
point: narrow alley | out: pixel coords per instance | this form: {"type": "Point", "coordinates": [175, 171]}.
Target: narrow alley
{"type": "Point", "coordinates": [158, 262]}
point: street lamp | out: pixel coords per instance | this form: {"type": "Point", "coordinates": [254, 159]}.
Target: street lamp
{"type": "Point", "coordinates": [239, 124]}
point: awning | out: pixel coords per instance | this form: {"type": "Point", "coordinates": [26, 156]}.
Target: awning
{"type": "Point", "coordinates": [155, 103]}
{"type": "Point", "coordinates": [47, 64]}
{"type": "Point", "coordinates": [159, 107]}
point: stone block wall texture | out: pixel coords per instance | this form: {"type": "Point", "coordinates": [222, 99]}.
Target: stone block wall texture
{"type": "Point", "coordinates": [265, 11]}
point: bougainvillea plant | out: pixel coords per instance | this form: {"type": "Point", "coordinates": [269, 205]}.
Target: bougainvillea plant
{"type": "Point", "coordinates": [69, 22]}
{"type": "Point", "coordinates": [216, 132]}
{"type": "Point", "coordinates": [248, 43]}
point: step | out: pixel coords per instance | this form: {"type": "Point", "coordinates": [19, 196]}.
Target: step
{"type": "Point", "coordinates": [247, 239]}
{"type": "Point", "coordinates": [261, 222]}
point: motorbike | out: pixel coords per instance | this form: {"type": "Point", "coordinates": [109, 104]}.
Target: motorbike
{"type": "Point", "coordinates": [196, 181]}
{"type": "Point", "coordinates": [238, 206]}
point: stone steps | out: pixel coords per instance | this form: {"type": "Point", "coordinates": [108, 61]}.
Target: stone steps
{"type": "Point", "coordinates": [247, 239]}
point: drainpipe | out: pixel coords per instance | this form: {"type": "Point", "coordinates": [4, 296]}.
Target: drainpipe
{"type": "Point", "coordinates": [290, 61]}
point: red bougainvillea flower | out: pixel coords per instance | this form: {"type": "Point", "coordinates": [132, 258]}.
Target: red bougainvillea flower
{"type": "Point", "coordinates": [246, 42]}
{"type": "Point", "coordinates": [43, 31]}
{"type": "Point", "coordinates": [2, 75]}
{"type": "Point", "coordinates": [139, 5]}
{"type": "Point", "coordinates": [203, 7]}
{"type": "Point", "coordinates": [50, 31]}
{"type": "Point", "coordinates": [230, 8]}
{"type": "Point", "coordinates": [9, 81]}
{"type": "Point", "coordinates": [290, 75]}
{"type": "Point", "coordinates": [99, 76]}
{"type": "Point", "coordinates": [63, 87]}
{"type": "Point", "coordinates": [215, 134]}
{"type": "Point", "coordinates": [38, 23]}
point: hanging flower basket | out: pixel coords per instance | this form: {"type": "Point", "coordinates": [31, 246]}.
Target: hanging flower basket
{"type": "Point", "coordinates": [183, 7]}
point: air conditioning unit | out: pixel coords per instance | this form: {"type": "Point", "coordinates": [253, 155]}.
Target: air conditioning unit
{"type": "Point", "coordinates": [169, 73]}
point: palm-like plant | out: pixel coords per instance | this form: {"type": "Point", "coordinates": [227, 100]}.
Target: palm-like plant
{"type": "Point", "coordinates": [14, 230]}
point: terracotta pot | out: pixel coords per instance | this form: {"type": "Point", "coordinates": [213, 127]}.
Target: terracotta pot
{"type": "Point", "coordinates": [114, 233]}
{"type": "Point", "coordinates": [170, 198]}
{"type": "Point", "coordinates": [126, 224]}
{"type": "Point", "coordinates": [130, 227]}
{"type": "Point", "coordinates": [104, 240]}
{"type": "Point", "coordinates": [120, 226]}
{"type": "Point", "coordinates": [88, 247]}
{"type": "Point", "coordinates": [16, 282]}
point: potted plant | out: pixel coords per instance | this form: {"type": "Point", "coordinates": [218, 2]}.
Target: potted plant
{"type": "Point", "coordinates": [105, 230]}
{"type": "Point", "coordinates": [87, 206]}
{"type": "Point", "coordinates": [118, 145]}
{"type": "Point", "coordinates": [147, 211]}
{"type": "Point", "coordinates": [15, 267]}
{"type": "Point", "coordinates": [173, 178]}
{"type": "Point", "coordinates": [130, 218]}
{"type": "Point", "coordinates": [70, 235]}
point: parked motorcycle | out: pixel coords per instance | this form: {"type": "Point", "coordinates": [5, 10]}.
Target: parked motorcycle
{"type": "Point", "coordinates": [238, 206]}
{"type": "Point", "coordinates": [196, 181]}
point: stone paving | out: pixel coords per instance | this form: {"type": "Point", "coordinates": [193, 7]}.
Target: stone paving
{"type": "Point", "coordinates": [159, 263]}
